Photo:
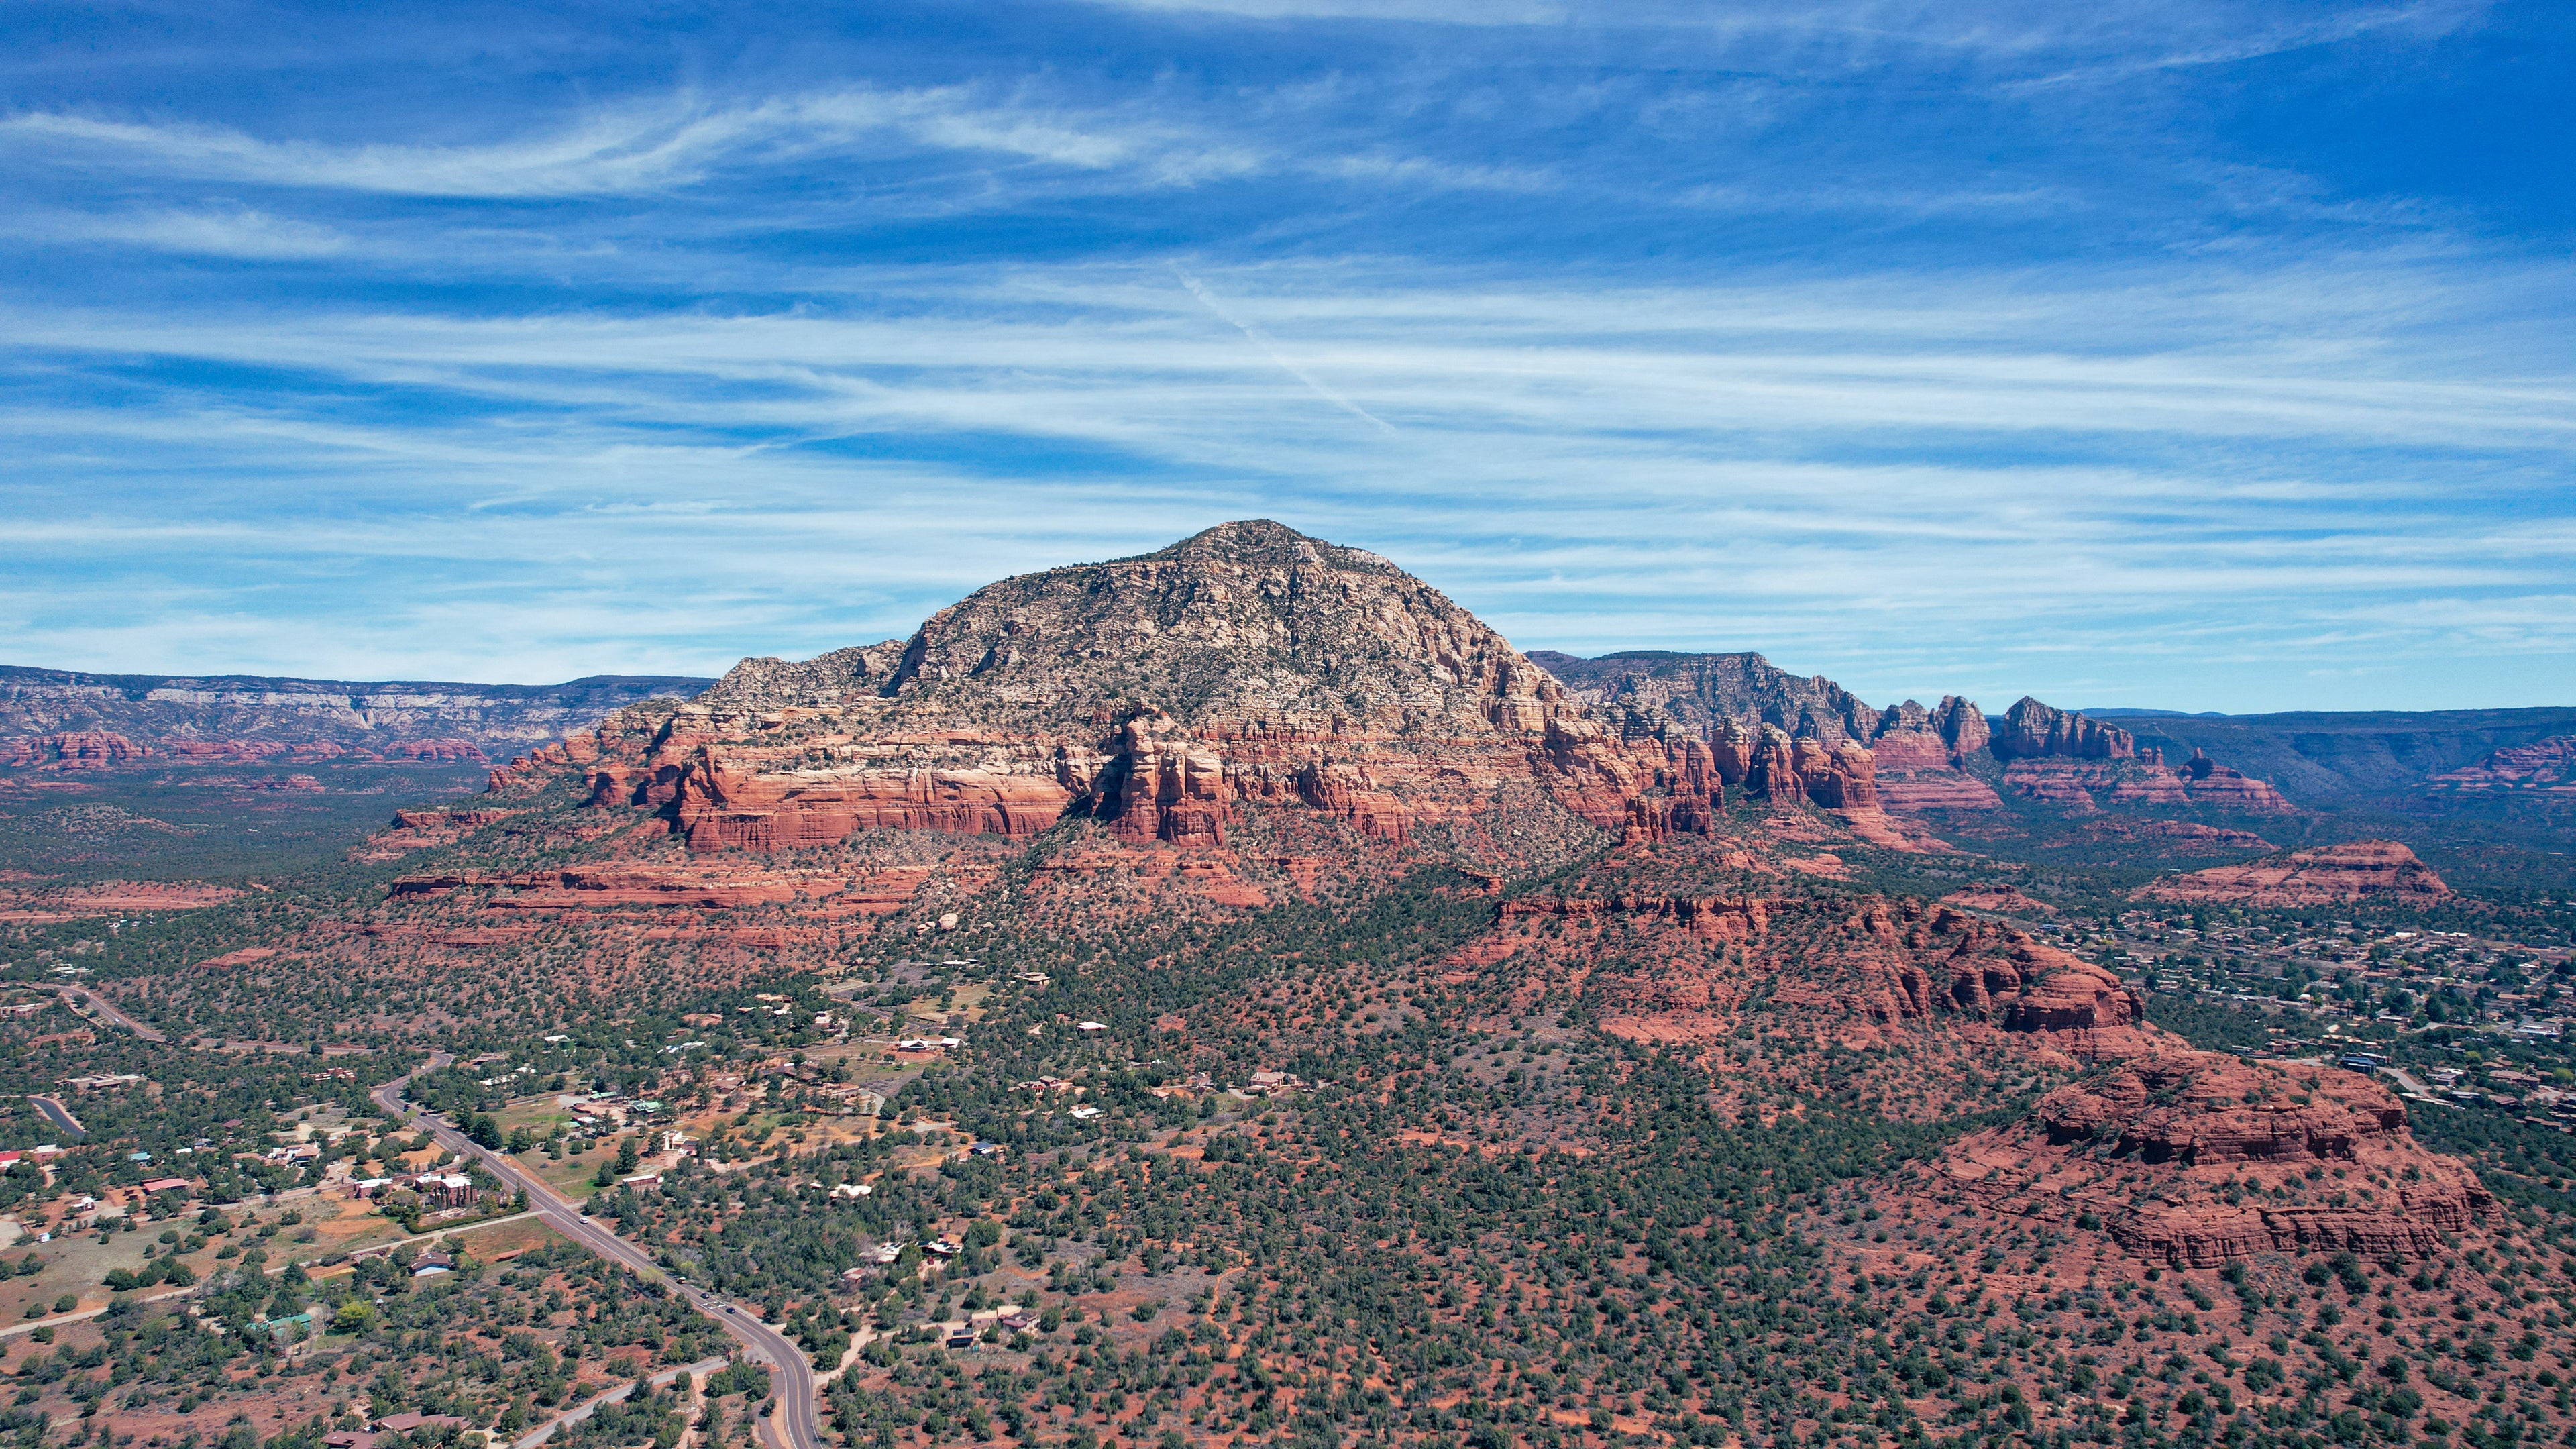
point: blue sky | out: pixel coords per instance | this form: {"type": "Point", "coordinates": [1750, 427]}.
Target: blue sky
{"type": "Point", "coordinates": [2195, 355]}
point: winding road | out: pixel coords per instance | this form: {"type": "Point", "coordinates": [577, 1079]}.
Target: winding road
{"type": "Point", "coordinates": [793, 1424]}
{"type": "Point", "coordinates": [112, 1012]}
{"type": "Point", "coordinates": [61, 1116]}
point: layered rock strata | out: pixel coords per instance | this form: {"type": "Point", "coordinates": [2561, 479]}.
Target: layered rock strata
{"type": "Point", "coordinates": [2195, 1158]}
{"type": "Point", "coordinates": [2380, 870]}
{"type": "Point", "coordinates": [2544, 765]}
{"type": "Point", "coordinates": [240, 716]}
{"type": "Point", "coordinates": [72, 750]}
{"type": "Point", "coordinates": [1247, 665]}
{"type": "Point", "coordinates": [2032, 730]}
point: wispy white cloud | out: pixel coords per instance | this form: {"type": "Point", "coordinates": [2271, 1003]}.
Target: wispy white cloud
{"type": "Point", "coordinates": [1270, 349]}
{"type": "Point", "coordinates": [1883, 488]}
{"type": "Point", "coordinates": [1127, 359]}
{"type": "Point", "coordinates": [1936, 346]}
{"type": "Point", "coordinates": [2116, 38]}
{"type": "Point", "coordinates": [673, 142]}
{"type": "Point", "coordinates": [218, 230]}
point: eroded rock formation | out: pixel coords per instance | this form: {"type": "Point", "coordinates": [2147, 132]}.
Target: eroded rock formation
{"type": "Point", "coordinates": [2031, 730]}
{"type": "Point", "coordinates": [2363, 869]}
{"type": "Point", "coordinates": [71, 750]}
{"type": "Point", "coordinates": [2544, 765]}
{"type": "Point", "coordinates": [2196, 1158]}
{"type": "Point", "coordinates": [1249, 664]}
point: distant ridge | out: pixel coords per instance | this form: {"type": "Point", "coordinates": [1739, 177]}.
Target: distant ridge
{"type": "Point", "coordinates": [156, 710]}
{"type": "Point", "coordinates": [2323, 756]}
{"type": "Point", "coordinates": [2312, 756]}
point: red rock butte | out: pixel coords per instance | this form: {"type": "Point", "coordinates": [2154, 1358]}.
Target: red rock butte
{"type": "Point", "coordinates": [2361, 870]}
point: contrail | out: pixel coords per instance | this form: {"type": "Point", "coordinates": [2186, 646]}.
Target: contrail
{"type": "Point", "coordinates": [1262, 341]}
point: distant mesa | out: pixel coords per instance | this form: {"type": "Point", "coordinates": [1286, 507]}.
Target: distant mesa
{"type": "Point", "coordinates": [2377, 870]}
{"type": "Point", "coordinates": [2546, 766]}
{"type": "Point", "coordinates": [69, 721]}
{"type": "Point", "coordinates": [71, 750]}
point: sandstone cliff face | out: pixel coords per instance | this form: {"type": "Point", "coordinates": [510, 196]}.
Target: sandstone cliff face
{"type": "Point", "coordinates": [1919, 738]}
{"type": "Point", "coordinates": [2545, 766]}
{"type": "Point", "coordinates": [1249, 664]}
{"type": "Point", "coordinates": [2031, 730]}
{"type": "Point", "coordinates": [1780, 737]}
{"type": "Point", "coordinates": [1922, 757]}
{"type": "Point", "coordinates": [2083, 786]}
{"type": "Point", "coordinates": [1864, 964]}
{"type": "Point", "coordinates": [1917, 759]}
{"type": "Point", "coordinates": [1253, 665]}
{"type": "Point", "coordinates": [2196, 1158]}
{"type": "Point", "coordinates": [71, 750]}
{"type": "Point", "coordinates": [2364, 869]}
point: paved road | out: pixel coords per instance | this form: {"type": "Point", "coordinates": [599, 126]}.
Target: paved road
{"type": "Point", "coordinates": [2413, 1088]}
{"type": "Point", "coordinates": [62, 1117]}
{"type": "Point", "coordinates": [108, 1010]}
{"type": "Point", "coordinates": [794, 1423]}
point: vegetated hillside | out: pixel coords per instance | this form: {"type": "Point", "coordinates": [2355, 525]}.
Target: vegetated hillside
{"type": "Point", "coordinates": [155, 778]}
{"type": "Point", "coordinates": [2325, 757]}
{"type": "Point", "coordinates": [209, 822]}
{"type": "Point", "coordinates": [1389, 1047]}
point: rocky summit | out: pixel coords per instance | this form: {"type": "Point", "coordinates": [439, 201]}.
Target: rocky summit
{"type": "Point", "coordinates": [1251, 664]}
{"type": "Point", "coordinates": [1247, 664]}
